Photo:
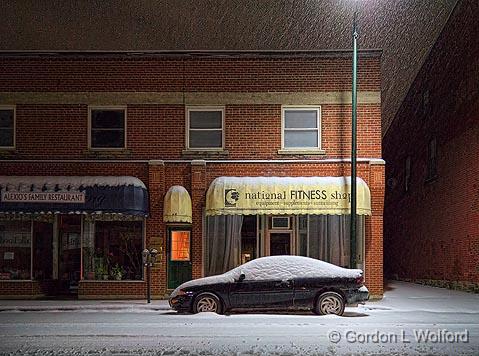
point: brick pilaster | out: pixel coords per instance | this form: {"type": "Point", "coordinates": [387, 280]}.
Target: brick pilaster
{"type": "Point", "coordinates": [155, 228]}
{"type": "Point", "coordinates": [374, 231]}
{"type": "Point", "coordinates": [198, 196]}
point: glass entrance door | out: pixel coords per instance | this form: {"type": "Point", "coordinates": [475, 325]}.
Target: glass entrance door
{"type": "Point", "coordinates": [179, 257]}
{"type": "Point", "coordinates": [69, 253]}
{"type": "Point", "coordinates": [279, 243]}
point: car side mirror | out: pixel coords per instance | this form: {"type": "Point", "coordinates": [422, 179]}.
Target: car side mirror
{"type": "Point", "coordinates": [241, 277]}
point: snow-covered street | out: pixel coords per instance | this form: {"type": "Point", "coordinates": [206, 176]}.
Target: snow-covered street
{"type": "Point", "coordinates": [411, 319]}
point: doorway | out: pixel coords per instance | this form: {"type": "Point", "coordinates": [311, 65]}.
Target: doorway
{"type": "Point", "coordinates": [279, 236]}
{"type": "Point", "coordinates": [179, 256]}
{"type": "Point", "coordinates": [280, 243]}
{"type": "Point", "coordinates": [69, 253]}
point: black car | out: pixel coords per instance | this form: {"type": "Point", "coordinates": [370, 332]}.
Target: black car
{"type": "Point", "coordinates": [275, 282]}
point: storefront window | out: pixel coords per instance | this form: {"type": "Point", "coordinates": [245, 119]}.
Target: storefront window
{"type": "Point", "coordinates": [248, 238]}
{"type": "Point", "coordinates": [15, 249]}
{"type": "Point", "coordinates": [223, 243]}
{"type": "Point", "coordinates": [232, 240]}
{"type": "Point", "coordinates": [327, 237]}
{"type": "Point", "coordinates": [112, 250]}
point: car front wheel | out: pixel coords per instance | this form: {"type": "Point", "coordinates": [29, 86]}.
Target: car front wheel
{"type": "Point", "coordinates": [207, 302]}
{"type": "Point", "coordinates": [330, 303]}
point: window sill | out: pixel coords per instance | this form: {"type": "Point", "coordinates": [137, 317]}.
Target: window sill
{"type": "Point", "coordinates": [204, 153]}
{"type": "Point", "coordinates": [107, 153]}
{"type": "Point", "coordinates": [111, 281]}
{"type": "Point", "coordinates": [6, 152]}
{"type": "Point", "coordinates": [302, 152]}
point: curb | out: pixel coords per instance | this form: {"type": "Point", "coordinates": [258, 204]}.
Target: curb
{"type": "Point", "coordinates": [86, 308]}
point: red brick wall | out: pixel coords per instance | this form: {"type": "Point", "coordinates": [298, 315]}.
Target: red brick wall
{"type": "Point", "coordinates": [90, 73]}
{"type": "Point", "coordinates": [157, 132]}
{"type": "Point", "coordinates": [111, 289]}
{"type": "Point", "coordinates": [432, 231]}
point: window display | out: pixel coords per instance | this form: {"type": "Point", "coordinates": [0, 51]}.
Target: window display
{"type": "Point", "coordinates": [15, 249]}
{"type": "Point", "coordinates": [112, 250]}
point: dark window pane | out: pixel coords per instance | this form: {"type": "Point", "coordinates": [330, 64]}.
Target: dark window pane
{"type": "Point", "coordinates": [300, 119]}
{"type": "Point", "coordinates": [15, 244]}
{"type": "Point", "coordinates": [6, 118]}
{"type": "Point", "coordinates": [108, 119]}
{"type": "Point", "coordinates": [205, 119]}
{"type": "Point", "coordinates": [206, 139]}
{"type": "Point", "coordinates": [108, 138]}
{"type": "Point", "coordinates": [6, 137]}
{"type": "Point", "coordinates": [301, 139]}
{"type": "Point", "coordinates": [117, 251]}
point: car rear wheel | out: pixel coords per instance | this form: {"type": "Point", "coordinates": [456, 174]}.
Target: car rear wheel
{"type": "Point", "coordinates": [330, 303]}
{"type": "Point", "coordinates": [207, 302]}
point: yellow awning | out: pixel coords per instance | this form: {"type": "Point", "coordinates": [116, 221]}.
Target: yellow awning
{"type": "Point", "coordinates": [285, 195]}
{"type": "Point", "coordinates": [177, 206]}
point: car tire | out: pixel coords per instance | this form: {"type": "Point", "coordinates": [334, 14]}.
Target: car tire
{"type": "Point", "coordinates": [330, 303]}
{"type": "Point", "coordinates": [207, 302]}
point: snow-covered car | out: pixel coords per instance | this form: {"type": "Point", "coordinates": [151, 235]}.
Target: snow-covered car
{"type": "Point", "coordinates": [275, 282]}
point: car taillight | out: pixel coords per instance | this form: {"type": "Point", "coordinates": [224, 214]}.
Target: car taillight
{"type": "Point", "coordinates": [360, 280]}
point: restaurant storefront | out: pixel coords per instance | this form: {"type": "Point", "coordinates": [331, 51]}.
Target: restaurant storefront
{"type": "Point", "coordinates": [59, 232]}
{"type": "Point", "coordinates": [250, 217]}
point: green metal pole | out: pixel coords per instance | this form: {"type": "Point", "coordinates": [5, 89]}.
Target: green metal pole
{"type": "Point", "coordinates": [353, 145]}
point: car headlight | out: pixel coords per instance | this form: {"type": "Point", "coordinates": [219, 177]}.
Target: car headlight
{"type": "Point", "coordinates": [181, 292]}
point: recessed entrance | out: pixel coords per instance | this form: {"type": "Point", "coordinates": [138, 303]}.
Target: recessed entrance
{"type": "Point", "coordinates": [280, 243]}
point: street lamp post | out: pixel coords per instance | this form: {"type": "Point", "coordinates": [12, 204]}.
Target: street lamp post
{"type": "Point", "coordinates": [354, 142]}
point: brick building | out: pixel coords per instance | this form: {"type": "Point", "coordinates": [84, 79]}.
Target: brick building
{"type": "Point", "coordinates": [432, 151]}
{"type": "Point", "coordinates": [102, 153]}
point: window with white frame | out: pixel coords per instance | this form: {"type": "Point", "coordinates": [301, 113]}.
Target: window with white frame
{"type": "Point", "coordinates": [205, 128]}
{"type": "Point", "coordinates": [301, 127]}
{"type": "Point", "coordinates": [7, 127]}
{"type": "Point", "coordinates": [107, 127]}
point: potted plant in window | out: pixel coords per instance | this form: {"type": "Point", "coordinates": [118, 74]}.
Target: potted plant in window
{"type": "Point", "coordinates": [101, 272]}
{"type": "Point", "coordinates": [117, 272]}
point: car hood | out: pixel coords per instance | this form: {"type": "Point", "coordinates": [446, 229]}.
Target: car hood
{"type": "Point", "coordinates": [227, 277]}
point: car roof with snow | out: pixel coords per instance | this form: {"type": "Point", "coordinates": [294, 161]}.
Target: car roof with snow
{"type": "Point", "coordinates": [287, 267]}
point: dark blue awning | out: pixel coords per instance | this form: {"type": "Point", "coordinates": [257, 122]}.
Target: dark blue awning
{"type": "Point", "coordinates": [73, 195]}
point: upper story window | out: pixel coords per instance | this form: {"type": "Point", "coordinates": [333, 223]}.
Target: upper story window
{"type": "Point", "coordinates": [432, 160]}
{"type": "Point", "coordinates": [107, 127]}
{"type": "Point", "coordinates": [301, 128]}
{"type": "Point", "coordinates": [205, 128]}
{"type": "Point", "coordinates": [7, 127]}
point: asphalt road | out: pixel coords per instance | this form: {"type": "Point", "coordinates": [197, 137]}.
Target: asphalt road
{"type": "Point", "coordinates": [411, 320]}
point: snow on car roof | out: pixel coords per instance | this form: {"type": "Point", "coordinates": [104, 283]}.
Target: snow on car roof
{"type": "Point", "coordinates": [286, 267]}
{"type": "Point", "coordinates": [277, 267]}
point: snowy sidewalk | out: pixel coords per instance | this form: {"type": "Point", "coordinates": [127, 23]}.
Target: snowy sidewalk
{"type": "Point", "coordinates": [398, 296]}
{"type": "Point", "coordinates": [85, 305]}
